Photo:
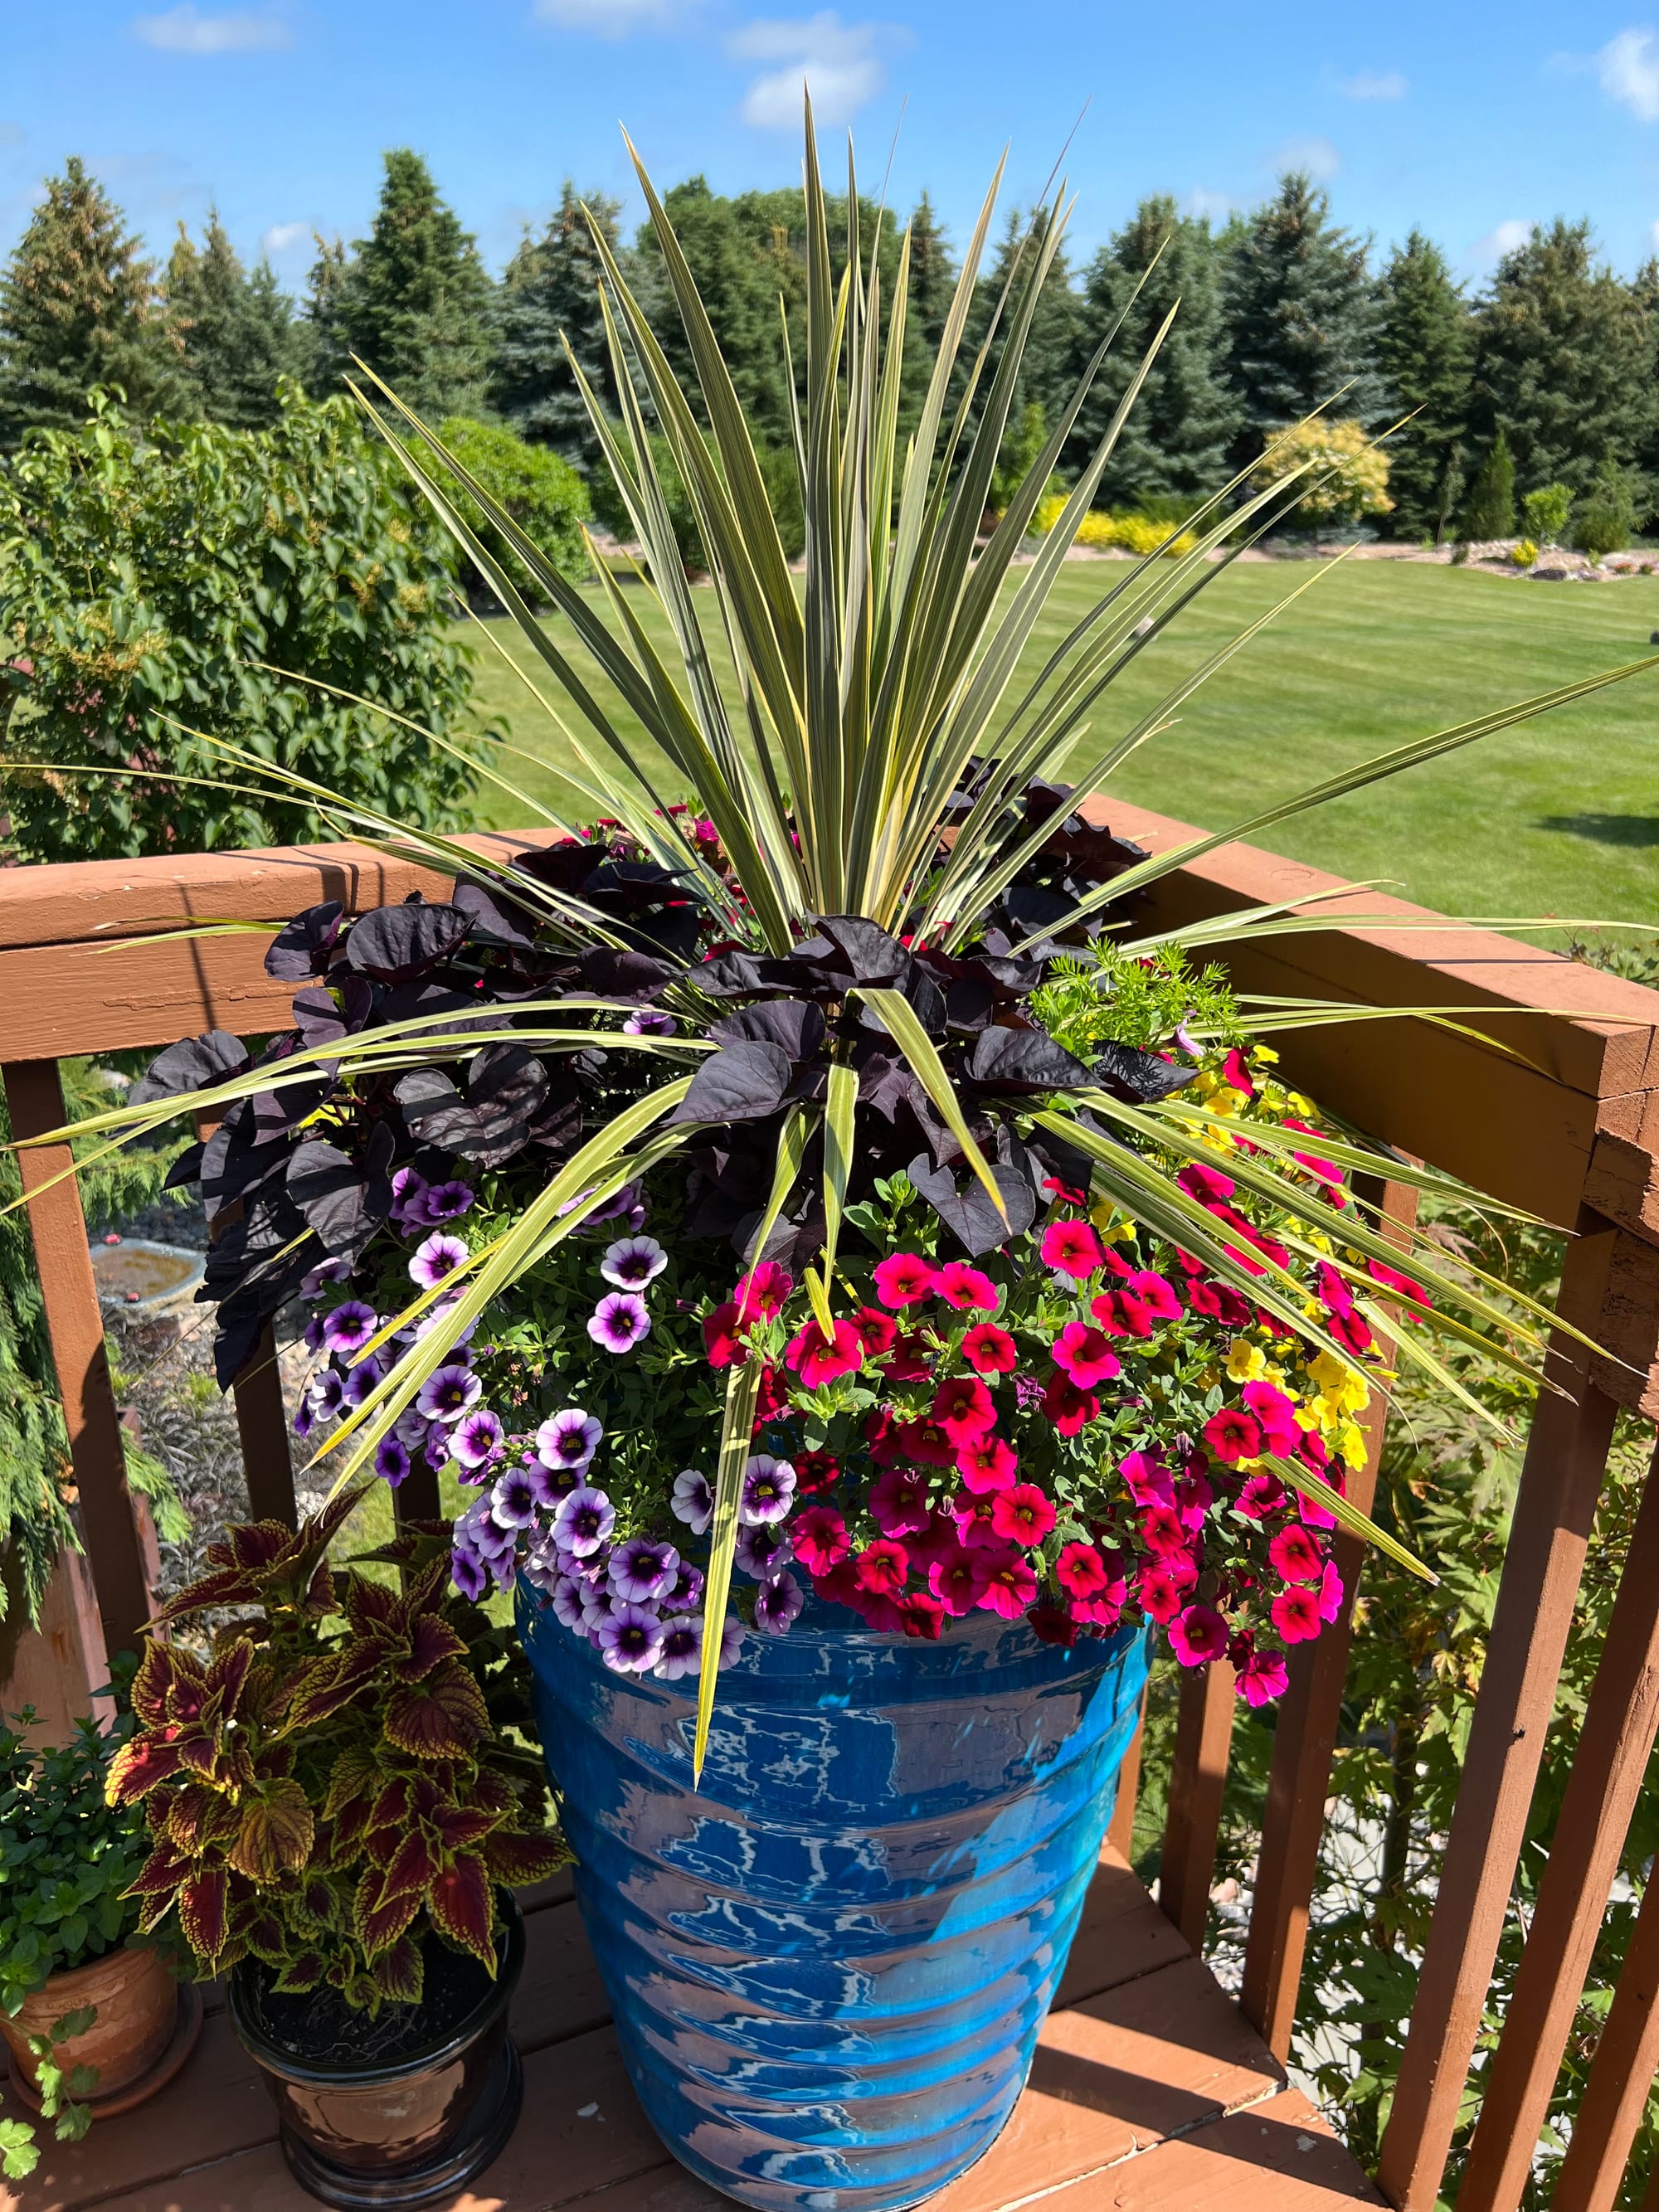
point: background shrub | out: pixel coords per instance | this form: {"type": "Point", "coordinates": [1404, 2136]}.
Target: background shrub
{"type": "Point", "coordinates": [543, 495]}
{"type": "Point", "coordinates": [1609, 515]}
{"type": "Point", "coordinates": [1346, 477]}
{"type": "Point", "coordinates": [1546, 511]}
{"type": "Point", "coordinates": [778, 473]}
{"type": "Point", "coordinates": [1491, 510]}
{"type": "Point", "coordinates": [141, 580]}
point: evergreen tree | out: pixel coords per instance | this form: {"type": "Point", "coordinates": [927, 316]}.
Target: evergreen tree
{"type": "Point", "coordinates": [1174, 444]}
{"type": "Point", "coordinates": [739, 286]}
{"type": "Point", "coordinates": [550, 294]}
{"type": "Point", "coordinates": [1563, 360]}
{"type": "Point", "coordinates": [1046, 375]}
{"type": "Point", "coordinates": [78, 307]}
{"type": "Point", "coordinates": [1425, 350]}
{"type": "Point", "coordinates": [236, 332]}
{"type": "Point", "coordinates": [413, 300]}
{"type": "Point", "coordinates": [1300, 318]}
{"type": "Point", "coordinates": [1491, 511]}
{"type": "Point", "coordinates": [933, 277]}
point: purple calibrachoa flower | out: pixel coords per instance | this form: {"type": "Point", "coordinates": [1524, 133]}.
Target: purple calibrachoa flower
{"type": "Point", "coordinates": [477, 1437]}
{"type": "Point", "coordinates": [633, 1261]}
{"type": "Point", "coordinates": [768, 1489]}
{"type": "Point", "coordinates": [440, 1316]}
{"type": "Point", "coordinates": [549, 1484]}
{"type": "Point", "coordinates": [731, 1639]}
{"type": "Point", "coordinates": [630, 1639]}
{"type": "Point", "coordinates": [305, 1420]}
{"type": "Point", "coordinates": [468, 1572]}
{"type": "Point", "coordinates": [432, 1262]}
{"type": "Point", "coordinates": [568, 1439]}
{"type": "Point", "coordinates": [349, 1327]}
{"type": "Point", "coordinates": [778, 1603]}
{"type": "Point", "coordinates": [512, 1500]}
{"type": "Point", "coordinates": [446, 1201]}
{"type": "Point", "coordinates": [643, 1569]}
{"type": "Point", "coordinates": [693, 1501]}
{"type": "Point", "coordinates": [684, 1592]}
{"type": "Point", "coordinates": [567, 1597]}
{"type": "Point", "coordinates": [410, 1428]}
{"type": "Point", "coordinates": [625, 1202]}
{"type": "Point", "coordinates": [408, 1198]}
{"type": "Point", "coordinates": [620, 1322]}
{"type": "Point", "coordinates": [312, 1285]}
{"type": "Point", "coordinates": [325, 1393]}
{"type": "Point", "coordinates": [583, 1521]}
{"type": "Point", "coordinates": [312, 1334]}
{"type": "Point", "coordinates": [762, 1550]}
{"type": "Point", "coordinates": [361, 1379]}
{"type": "Point", "coordinates": [648, 1022]}
{"type": "Point", "coordinates": [448, 1391]}
{"type": "Point", "coordinates": [391, 1460]}
{"type": "Point", "coordinates": [682, 1647]}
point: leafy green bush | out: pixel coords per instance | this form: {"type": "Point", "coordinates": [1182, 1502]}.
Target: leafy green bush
{"type": "Point", "coordinates": [544, 495]}
{"type": "Point", "coordinates": [1609, 515]}
{"type": "Point", "coordinates": [1546, 510]}
{"type": "Point", "coordinates": [778, 473]}
{"type": "Point", "coordinates": [142, 578]}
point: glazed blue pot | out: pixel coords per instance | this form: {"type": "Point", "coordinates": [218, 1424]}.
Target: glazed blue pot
{"type": "Point", "coordinates": [828, 1965]}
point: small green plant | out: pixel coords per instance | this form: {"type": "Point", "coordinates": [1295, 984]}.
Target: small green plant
{"type": "Point", "coordinates": [1608, 514]}
{"type": "Point", "coordinates": [543, 495]}
{"type": "Point", "coordinates": [1491, 510]}
{"type": "Point", "coordinates": [1546, 511]}
{"type": "Point", "coordinates": [62, 2088]}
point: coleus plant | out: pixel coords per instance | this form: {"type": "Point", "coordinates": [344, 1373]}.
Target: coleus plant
{"type": "Point", "coordinates": [323, 1785]}
{"type": "Point", "coordinates": [835, 955]}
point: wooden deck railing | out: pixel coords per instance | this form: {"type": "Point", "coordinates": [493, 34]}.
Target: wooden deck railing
{"type": "Point", "coordinates": [1570, 1129]}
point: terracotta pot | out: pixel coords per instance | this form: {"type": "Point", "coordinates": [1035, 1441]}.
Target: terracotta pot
{"type": "Point", "coordinates": [410, 2133]}
{"type": "Point", "coordinates": [137, 2003]}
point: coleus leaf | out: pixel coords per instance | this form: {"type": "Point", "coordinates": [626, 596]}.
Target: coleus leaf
{"type": "Point", "coordinates": [442, 1717]}
{"type": "Point", "coordinates": [202, 1902]}
{"type": "Point", "coordinates": [460, 1827]}
{"type": "Point", "coordinates": [196, 1816]}
{"type": "Point", "coordinates": [355, 1774]}
{"type": "Point", "coordinates": [276, 1834]}
{"type": "Point", "coordinates": [413, 1865]}
{"type": "Point", "coordinates": [152, 1682]}
{"type": "Point", "coordinates": [400, 1975]}
{"type": "Point", "coordinates": [378, 1919]}
{"type": "Point", "coordinates": [300, 1974]}
{"type": "Point", "coordinates": [463, 1908]}
{"type": "Point", "coordinates": [138, 1767]}
{"type": "Point", "coordinates": [162, 1873]}
{"type": "Point", "coordinates": [517, 1859]}
{"type": "Point", "coordinates": [431, 1639]}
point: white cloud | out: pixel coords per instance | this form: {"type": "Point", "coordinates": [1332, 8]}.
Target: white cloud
{"type": "Point", "coordinates": [183, 30]}
{"type": "Point", "coordinates": [1629, 69]}
{"type": "Point", "coordinates": [281, 235]}
{"type": "Point", "coordinates": [1316, 156]}
{"type": "Point", "coordinates": [614, 19]}
{"type": "Point", "coordinates": [1206, 206]}
{"type": "Point", "coordinates": [838, 62]}
{"type": "Point", "coordinates": [1374, 84]}
{"type": "Point", "coordinates": [1499, 242]}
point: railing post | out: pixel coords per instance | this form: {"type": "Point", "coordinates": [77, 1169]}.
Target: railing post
{"type": "Point", "coordinates": [1554, 1507]}
{"type": "Point", "coordinates": [1198, 1778]}
{"type": "Point", "coordinates": [1120, 1834]}
{"type": "Point", "coordinates": [34, 1096]}
{"type": "Point", "coordinates": [1621, 2075]}
{"type": "Point", "coordinates": [1304, 1740]}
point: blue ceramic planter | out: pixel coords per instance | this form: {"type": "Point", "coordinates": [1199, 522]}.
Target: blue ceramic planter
{"type": "Point", "coordinates": [828, 1965]}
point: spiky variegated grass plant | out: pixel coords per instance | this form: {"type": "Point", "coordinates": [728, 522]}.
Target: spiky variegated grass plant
{"type": "Point", "coordinates": [884, 743]}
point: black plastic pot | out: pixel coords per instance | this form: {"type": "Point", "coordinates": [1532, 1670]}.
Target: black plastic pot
{"type": "Point", "coordinates": [405, 2134]}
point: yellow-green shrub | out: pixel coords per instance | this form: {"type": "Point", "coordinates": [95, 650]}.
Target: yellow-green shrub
{"type": "Point", "coordinates": [1105, 531]}
{"type": "Point", "coordinates": [1524, 553]}
{"type": "Point", "coordinates": [1348, 475]}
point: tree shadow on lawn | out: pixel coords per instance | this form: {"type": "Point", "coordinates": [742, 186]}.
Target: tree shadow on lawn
{"type": "Point", "coordinates": [1636, 830]}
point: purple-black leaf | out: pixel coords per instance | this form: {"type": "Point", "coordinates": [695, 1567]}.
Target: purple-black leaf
{"type": "Point", "coordinates": [794, 1025]}
{"type": "Point", "coordinates": [1023, 1060]}
{"type": "Point", "coordinates": [193, 1064]}
{"type": "Point", "coordinates": [303, 947]}
{"type": "Point", "coordinates": [396, 943]}
{"type": "Point", "coordinates": [743, 1083]}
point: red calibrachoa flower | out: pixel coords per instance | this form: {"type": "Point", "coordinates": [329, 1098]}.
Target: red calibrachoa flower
{"type": "Point", "coordinates": [966, 1288]}
{"type": "Point", "coordinates": [815, 1471]}
{"type": "Point", "coordinates": [761, 1294]}
{"type": "Point", "coordinates": [1296, 1616]}
{"type": "Point", "coordinates": [964, 1409]}
{"type": "Point", "coordinates": [817, 1359]}
{"type": "Point", "coordinates": [1071, 1247]}
{"type": "Point", "coordinates": [924, 1441]}
{"type": "Point", "coordinates": [903, 1278]}
{"type": "Point", "coordinates": [1197, 1635]}
{"type": "Point", "coordinates": [971, 1512]}
{"type": "Point", "coordinates": [1232, 1435]}
{"type": "Point", "coordinates": [1162, 1588]}
{"type": "Point", "coordinates": [898, 1503]}
{"type": "Point", "coordinates": [1023, 1515]}
{"type": "Point", "coordinates": [820, 1538]}
{"type": "Point", "coordinates": [877, 1331]}
{"type": "Point", "coordinates": [911, 1359]}
{"type": "Point", "coordinates": [1276, 1415]}
{"type": "Point", "coordinates": [957, 1581]}
{"type": "Point", "coordinates": [881, 1567]}
{"type": "Point", "coordinates": [1086, 1354]}
{"type": "Point", "coordinates": [1069, 1409]}
{"type": "Point", "coordinates": [1262, 1676]}
{"type": "Point", "coordinates": [923, 1615]}
{"type": "Point", "coordinates": [1261, 1494]}
{"type": "Point", "coordinates": [724, 1345]}
{"type": "Point", "coordinates": [987, 1463]}
{"type": "Point", "coordinates": [989, 1350]}
{"type": "Point", "coordinates": [1010, 1585]}
{"type": "Point", "coordinates": [1295, 1555]}
{"type": "Point", "coordinates": [1081, 1573]}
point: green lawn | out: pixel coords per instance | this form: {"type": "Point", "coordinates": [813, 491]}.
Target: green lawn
{"type": "Point", "coordinates": [1559, 816]}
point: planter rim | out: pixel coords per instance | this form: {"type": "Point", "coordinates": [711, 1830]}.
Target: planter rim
{"type": "Point", "coordinates": [509, 1962]}
{"type": "Point", "coordinates": [99, 1962]}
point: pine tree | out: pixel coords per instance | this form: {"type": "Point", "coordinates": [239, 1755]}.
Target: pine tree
{"type": "Point", "coordinates": [236, 330]}
{"type": "Point", "coordinates": [1563, 360]}
{"type": "Point", "coordinates": [551, 294]}
{"type": "Point", "coordinates": [78, 307]}
{"type": "Point", "coordinates": [413, 300]}
{"type": "Point", "coordinates": [1174, 444]}
{"type": "Point", "coordinates": [739, 286]}
{"type": "Point", "coordinates": [1298, 308]}
{"type": "Point", "coordinates": [1046, 377]}
{"type": "Point", "coordinates": [933, 277]}
{"type": "Point", "coordinates": [1491, 510]}
{"type": "Point", "coordinates": [1425, 352]}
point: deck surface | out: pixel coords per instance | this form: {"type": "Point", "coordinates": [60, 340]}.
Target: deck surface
{"type": "Point", "coordinates": [1149, 2092]}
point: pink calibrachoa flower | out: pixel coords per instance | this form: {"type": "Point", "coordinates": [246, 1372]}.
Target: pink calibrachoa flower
{"type": "Point", "coordinates": [1262, 1676]}
{"type": "Point", "coordinates": [966, 1288]}
{"type": "Point", "coordinates": [924, 1441]}
{"type": "Point", "coordinates": [881, 1567]}
{"type": "Point", "coordinates": [911, 1360]}
{"type": "Point", "coordinates": [1198, 1635]}
{"type": "Point", "coordinates": [1262, 1493]}
{"type": "Point", "coordinates": [1071, 1247]}
{"type": "Point", "coordinates": [1392, 1280]}
{"type": "Point", "coordinates": [818, 1359]}
{"type": "Point", "coordinates": [1236, 1074]}
{"type": "Point", "coordinates": [972, 1514]}
{"type": "Point", "coordinates": [957, 1582]}
{"type": "Point", "coordinates": [1081, 1573]}
{"type": "Point", "coordinates": [1010, 1585]}
{"type": "Point", "coordinates": [898, 1502]}
{"type": "Point", "coordinates": [1232, 1435]}
{"type": "Point", "coordinates": [989, 1350]}
{"type": "Point", "coordinates": [1162, 1588]}
{"type": "Point", "coordinates": [1163, 1533]}
{"type": "Point", "coordinates": [1148, 1479]}
{"type": "Point", "coordinates": [1330, 1593]}
{"type": "Point", "coordinates": [1069, 1409]}
{"type": "Point", "coordinates": [1352, 1330]}
{"type": "Point", "coordinates": [923, 1615]}
{"type": "Point", "coordinates": [987, 1463]}
{"type": "Point", "coordinates": [821, 1538]}
{"type": "Point", "coordinates": [1334, 1294]}
{"type": "Point", "coordinates": [1086, 1354]}
{"type": "Point", "coordinates": [1295, 1556]}
{"type": "Point", "coordinates": [1194, 1495]}
{"type": "Point", "coordinates": [877, 1331]}
{"type": "Point", "coordinates": [1276, 1414]}
{"type": "Point", "coordinates": [1206, 1184]}
{"type": "Point", "coordinates": [1023, 1515]}
{"type": "Point", "coordinates": [905, 1277]}
{"type": "Point", "coordinates": [964, 1409]}
{"type": "Point", "coordinates": [760, 1293]}
{"type": "Point", "coordinates": [1296, 1616]}
{"type": "Point", "coordinates": [1049, 1625]}
{"type": "Point", "coordinates": [936, 1539]}
{"type": "Point", "coordinates": [1157, 1293]}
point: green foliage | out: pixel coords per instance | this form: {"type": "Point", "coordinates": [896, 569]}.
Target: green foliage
{"type": "Point", "coordinates": [1048, 367]}
{"type": "Point", "coordinates": [236, 330]}
{"type": "Point", "coordinates": [1300, 317]}
{"type": "Point", "coordinates": [413, 299]}
{"type": "Point", "coordinates": [1490, 512]}
{"type": "Point", "coordinates": [59, 2085]}
{"type": "Point", "coordinates": [78, 309]}
{"type": "Point", "coordinates": [1025, 441]}
{"type": "Point", "coordinates": [1129, 999]}
{"type": "Point", "coordinates": [1175, 444]}
{"type": "Point", "coordinates": [1607, 517]}
{"type": "Point", "coordinates": [543, 493]}
{"type": "Point", "coordinates": [142, 582]}
{"type": "Point", "coordinates": [1563, 360]}
{"type": "Point", "coordinates": [778, 473]}
{"type": "Point", "coordinates": [1424, 352]}
{"type": "Point", "coordinates": [1546, 510]}
{"type": "Point", "coordinates": [67, 1858]}
{"type": "Point", "coordinates": [550, 299]}
{"type": "Point", "coordinates": [1348, 473]}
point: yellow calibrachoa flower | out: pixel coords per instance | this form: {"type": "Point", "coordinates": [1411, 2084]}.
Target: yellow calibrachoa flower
{"type": "Point", "coordinates": [1352, 1445]}
{"type": "Point", "coordinates": [1245, 1361]}
{"type": "Point", "coordinates": [1264, 1055]}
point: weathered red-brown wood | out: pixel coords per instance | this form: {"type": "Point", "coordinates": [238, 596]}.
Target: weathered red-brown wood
{"type": "Point", "coordinates": [1121, 1834]}
{"type": "Point", "coordinates": [35, 1097]}
{"type": "Point", "coordinates": [1304, 1740]}
{"type": "Point", "coordinates": [54, 1666]}
{"type": "Point", "coordinates": [1198, 1781]}
{"type": "Point", "coordinates": [1607, 1777]}
{"type": "Point", "coordinates": [1554, 1506]}
{"type": "Point", "coordinates": [1621, 2077]}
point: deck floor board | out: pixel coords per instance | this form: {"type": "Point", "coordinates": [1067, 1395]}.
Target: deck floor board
{"type": "Point", "coordinates": [1149, 2092]}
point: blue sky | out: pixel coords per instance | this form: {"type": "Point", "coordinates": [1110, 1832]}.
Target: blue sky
{"type": "Point", "coordinates": [1470, 119]}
